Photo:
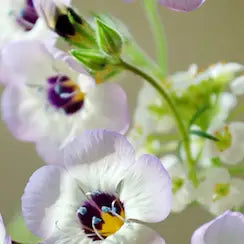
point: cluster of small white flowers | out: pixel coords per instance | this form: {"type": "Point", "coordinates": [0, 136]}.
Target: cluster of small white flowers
{"type": "Point", "coordinates": [216, 158]}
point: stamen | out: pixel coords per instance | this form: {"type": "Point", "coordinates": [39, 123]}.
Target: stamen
{"type": "Point", "coordinates": [113, 211]}
{"type": "Point", "coordinates": [82, 211]}
{"type": "Point", "coordinates": [96, 220]}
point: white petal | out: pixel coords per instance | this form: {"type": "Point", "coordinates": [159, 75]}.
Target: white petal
{"type": "Point", "coordinates": [182, 5]}
{"type": "Point", "coordinates": [3, 238]}
{"type": "Point", "coordinates": [146, 191]}
{"type": "Point", "coordinates": [198, 235]}
{"type": "Point", "coordinates": [237, 85]}
{"type": "Point", "coordinates": [108, 156]}
{"type": "Point", "coordinates": [133, 233]}
{"type": "Point", "coordinates": [107, 108]}
{"type": "Point", "coordinates": [173, 166]}
{"type": "Point", "coordinates": [225, 229]}
{"type": "Point", "coordinates": [50, 200]}
{"type": "Point", "coordinates": [213, 176]}
{"type": "Point", "coordinates": [234, 154]}
{"type": "Point", "coordinates": [20, 111]}
{"type": "Point", "coordinates": [26, 61]}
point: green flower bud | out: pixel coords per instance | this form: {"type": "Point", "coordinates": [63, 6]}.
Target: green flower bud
{"type": "Point", "coordinates": [108, 39]}
{"type": "Point", "coordinates": [92, 59]}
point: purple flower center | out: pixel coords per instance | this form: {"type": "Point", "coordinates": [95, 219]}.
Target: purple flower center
{"type": "Point", "coordinates": [65, 94]}
{"type": "Point", "coordinates": [28, 16]}
{"type": "Point", "coordinates": [101, 216]}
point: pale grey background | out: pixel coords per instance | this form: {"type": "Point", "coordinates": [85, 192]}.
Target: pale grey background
{"type": "Point", "coordinates": [212, 33]}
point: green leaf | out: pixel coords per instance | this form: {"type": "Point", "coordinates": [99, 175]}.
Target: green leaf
{"type": "Point", "coordinates": [203, 134]}
{"type": "Point", "coordinates": [92, 59]}
{"type": "Point", "coordinates": [109, 40]}
{"type": "Point", "coordinates": [19, 232]}
{"type": "Point", "coordinates": [198, 114]}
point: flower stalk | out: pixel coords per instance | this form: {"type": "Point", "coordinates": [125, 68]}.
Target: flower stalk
{"type": "Point", "coordinates": [158, 33]}
{"type": "Point", "coordinates": [181, 127]}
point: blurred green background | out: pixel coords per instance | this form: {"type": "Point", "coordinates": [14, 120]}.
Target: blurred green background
{"type": "Point", "coordinates": [210, 34]}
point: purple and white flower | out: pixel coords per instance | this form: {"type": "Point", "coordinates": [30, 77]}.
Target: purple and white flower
{"type": "Point", "coordinates": [100, 193]}
{"type": "Point", "coordinates": [4, 239]}
{"type": "Point", "coordinates": [225, 229]}
{"type": "Point", "coordinates": [19, 20]}
{"type": "Point", "coordinates": [54, 98]}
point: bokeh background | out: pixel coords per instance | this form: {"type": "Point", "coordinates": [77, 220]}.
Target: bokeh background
{"type": "Point", "coordinates": [210, 34]}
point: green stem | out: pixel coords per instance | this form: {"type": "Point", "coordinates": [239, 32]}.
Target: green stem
{"type": "Point", "coordinates": [183, 132]}
{"type": "Point", "coordinates": [151, 7]}
{"type": "Point", "coordinates": [236, 170]}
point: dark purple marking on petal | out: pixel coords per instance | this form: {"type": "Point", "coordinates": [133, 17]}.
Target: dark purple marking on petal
{"type": "Point", "coordinates": [28, 16]}
{"type": "Point", "coordinates": [64, 94]}
{"type": "Point", "coordinates": [93, 208]}
{"type": "Point", "coordinates": [73, 107]}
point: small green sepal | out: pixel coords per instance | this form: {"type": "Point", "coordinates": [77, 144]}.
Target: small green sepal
{"type": "Point", "coordinates": [92, 59]}
{"type": "Point", "coordinates": [203, 134]}
{"type": "Point", "coordinates": [108, 39]}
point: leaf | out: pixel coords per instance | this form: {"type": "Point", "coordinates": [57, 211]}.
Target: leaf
{"type": "Point", "coordinates": [203, 134]}
{"type": "Point", "coordinates": [19, 232]}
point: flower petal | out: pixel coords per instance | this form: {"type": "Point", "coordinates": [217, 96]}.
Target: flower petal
{"type": "Point", "coordinates": [225, 229]}
{"type": "Point", "coordinates": [107, 155]}
{"type": "Point", "coordinates": [3, 238]}
{"type": "Point", "coordinates": [18, 112]}
{"type": "Point", "coordinates": [108, 103]}
{"type": "Point", "coordinates": [182, 5]}
{"type": "Point", "coordinates": [146, 191]}
{"type": "Point", "coordinates": [237, 85]}
{"type": "Point", "coordinates": [134, 233]}
{"type": "Point", "coordinates": [22, 60]}
{"type": "Point", "coordinates": [51, 197]}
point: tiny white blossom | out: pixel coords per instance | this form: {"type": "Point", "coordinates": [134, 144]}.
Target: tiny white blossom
{"type": "Point", "coordinates": [182, 189]}
{"type": "Point", "coordinates": [219, 192]}
{"type": "Point", "coordinates": [229, 144]}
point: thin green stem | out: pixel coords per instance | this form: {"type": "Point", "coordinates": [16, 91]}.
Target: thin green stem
{"type": "Point", "coordinates": [182, 130]}
{"type": "Point", "coordinates": [151, 8]}
{"type": "Point", "coordinates": [236, 170]}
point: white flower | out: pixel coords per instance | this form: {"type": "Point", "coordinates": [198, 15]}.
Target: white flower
{"type": "Point", "coordinates": [180, 81]}
{"type": "Point", "coordinates": [182, 189]}
{"type": "Point", "coordinates": [4, 239]}
{"type": "Point", "coordinates": [97, 193]}
{"type": "Point", "coordinates": [229, 147]}
{"type": "Point", "coordinates": [145, 122]}
{"type": "Point", "coordinates": [226, 103]}
{"type": "Point", "coordinates": [237, 85]}
{"type": "Point", "coordinates": [55, 100]}
{"type": "Point", "coordinates": [225, 229]}
{"type": "Point", "coordinates": [19, 20]}
{"type": "Point", "coordinates": [224, 71]}
{"type": "Point", "coordinates": [219, 192]}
